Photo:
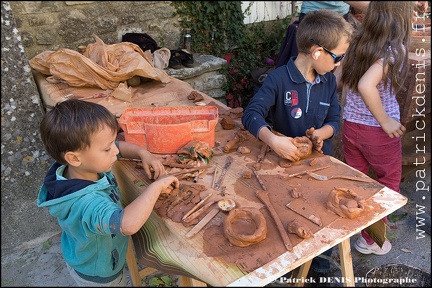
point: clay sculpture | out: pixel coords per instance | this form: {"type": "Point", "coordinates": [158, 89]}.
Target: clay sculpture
{"type": "Point", "coordinates": [345, 203]}
{"type": "Point", "coordinates": [245, 226]}
{"type": "Point", "coordinates": [300, 230]}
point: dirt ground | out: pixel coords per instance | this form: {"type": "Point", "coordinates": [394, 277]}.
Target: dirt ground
{"type": "Point", "coordinates": [40, 263]}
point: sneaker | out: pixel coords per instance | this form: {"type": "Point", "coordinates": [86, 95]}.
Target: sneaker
{"type": "Point", "coordinates": [361, 246]}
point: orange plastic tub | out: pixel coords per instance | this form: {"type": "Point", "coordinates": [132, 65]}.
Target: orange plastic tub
{"type": "Point", "coordinates": [164, 130]}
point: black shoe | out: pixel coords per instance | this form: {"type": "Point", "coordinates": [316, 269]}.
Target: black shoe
{"type": "Point", "coordinates": [186, 58]}
{"type": "Point", "coordinates": [175, 61]}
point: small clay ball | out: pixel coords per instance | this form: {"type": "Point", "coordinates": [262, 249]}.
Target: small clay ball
{"type": "Point", "coordinates": [247, 175]}
{"type": "Point", "coordinates": [227, 123]}
{"type": "Point", "coordinates": [243, 150]}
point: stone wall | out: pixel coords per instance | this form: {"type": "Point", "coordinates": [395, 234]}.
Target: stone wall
{"type": "Point", "coordinates": [50, 25]}
{"type": "Point", "coordinates": [29, 28]}
{"type": "Point", "coordinates": [204, 76]}
{"type": "Point", "coordinates": [23, 158]}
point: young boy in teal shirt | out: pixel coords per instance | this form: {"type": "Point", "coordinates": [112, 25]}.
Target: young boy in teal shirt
{"type": "Point", "coordinates": [82, 193]}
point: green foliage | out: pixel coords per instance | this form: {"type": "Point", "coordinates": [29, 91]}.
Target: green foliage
{"type": "Point", "coordinates": [217, 29]}
{"type": "Point", "coordinates": [46, 245]}
{"type": "Point", "coordinates": [397, 216]}
{"type": "Point", "coordinates": [163, 281]}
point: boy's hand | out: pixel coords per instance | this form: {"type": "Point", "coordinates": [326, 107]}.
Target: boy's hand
{"type": "Point", "coordinates": [153, 167]}
{"type": "Point", "coordinates": [317, 141]}
{"type": "Point", "coordinates": [167, 183]}
{"type": "Point", "coordinates": [285, 148]}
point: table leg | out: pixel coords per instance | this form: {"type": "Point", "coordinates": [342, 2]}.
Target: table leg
{"type": "Point", "coordinates": [190, 282]}
{"type": "Point", "coordinates": [302, 274]}
{"type": "Point", "coordinates": [132, 265]}
{"type": "Point", "coordinates": [346, 263]}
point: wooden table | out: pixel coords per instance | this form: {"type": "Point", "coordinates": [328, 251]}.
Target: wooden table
{"type": "Point", "coordinates": [162, 243]}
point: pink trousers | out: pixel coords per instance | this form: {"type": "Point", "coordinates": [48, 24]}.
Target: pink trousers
{"type": "Point", "coordinates": [367, 146]}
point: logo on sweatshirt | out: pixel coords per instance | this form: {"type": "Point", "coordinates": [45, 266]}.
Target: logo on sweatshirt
{"type": "Point", "coordinates": [296, 113]}
{"type": "Point", "coordinates": [291, 98]}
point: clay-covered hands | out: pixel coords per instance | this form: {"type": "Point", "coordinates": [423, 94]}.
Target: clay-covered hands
{"type": "Point", "coordinates": [285, 148]}
{"type": "Point", "coordinates": [153, 167]}
{"type": "Point", "coordinates": [167, 183]}
{"type": "Point", "coordinates": [317, 141]}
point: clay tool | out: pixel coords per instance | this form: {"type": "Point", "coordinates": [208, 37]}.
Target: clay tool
{"type": "Point", "coordinates": [263, 196]}
{"type": "Point", "coordinates": [228, 162]}
{"type": "Point", "coordinates": [214, 177]}
{"type": "Point", "coordinates": [261, 156]}
{"type": "Point", "coordinates": [300, 207]}
{"type": "Point", "coordinates": [198, 213]}
{"type": "Point", "coordinates": [326, 178]}
{"type": "Point", "coordinates": [306, 171]}
{"type": "Point", "coordinates": [184, 171]}
{"type": "Point", "coordinates": [259, 180]}
{"type": "Point", "coordinates": [223, 205]}
{"type": "Point", "coordinates": [197, 206]}
{"type": "Point", "coordinates": [202, 223]}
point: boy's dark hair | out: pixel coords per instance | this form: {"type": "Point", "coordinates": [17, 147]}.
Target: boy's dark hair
{"type": "Point", "coordinates": [70, 125]}
{"type": "Point", "coordinates": [326, 27]}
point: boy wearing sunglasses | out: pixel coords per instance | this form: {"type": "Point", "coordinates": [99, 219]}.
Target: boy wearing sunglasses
{"type": "Point", "coordinates": [299, 98]}
{"type": "Point", "coordinates": [302, 94]}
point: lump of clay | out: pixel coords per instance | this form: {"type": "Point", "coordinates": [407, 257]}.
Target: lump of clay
{"type": "Point", "coordinates": [247, 174]}
{"type": "Point", "coordinates": [294, 192]}
{"type": "Point", "coordinates": [227, 123]}
{"type": "Point", "coordinates": [284, 163]}
{"type": "Point", "coordinates": [235, 112]}
{"type": "Point", "coordinates": [243, 150]}
{"type": "Point", "coordinates": [304, 145]}
{"type": "Point", "coordinates": [296, 228]}
{"type": "Point", "coordinates": [195, 96]}
{"type": "Point", "coordinates": [345, 203]}
{"type": "Point", "coordinates": [245, 226]}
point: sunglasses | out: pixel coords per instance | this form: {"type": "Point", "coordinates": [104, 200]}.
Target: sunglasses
{"type": "Point", "coordinates": [335, 57]}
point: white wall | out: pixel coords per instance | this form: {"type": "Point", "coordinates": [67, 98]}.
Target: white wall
{"type": "Point", "coordinates": [268, 10]}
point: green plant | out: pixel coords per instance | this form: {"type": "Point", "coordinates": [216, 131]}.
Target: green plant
{"type": "Point", "coordinates": [46, 245]}
{"type": "Point", "coordinates": [162, 281]}
{"type": "Point", "coordinates": [218, 29]}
